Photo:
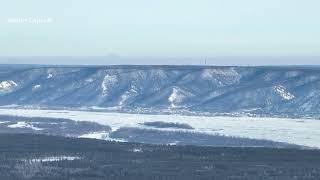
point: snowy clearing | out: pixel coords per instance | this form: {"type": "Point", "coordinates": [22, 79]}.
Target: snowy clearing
{"type": "Point", "coordinates": [53, 159]}
{"type": "Point", "coordinates": [24, 125]}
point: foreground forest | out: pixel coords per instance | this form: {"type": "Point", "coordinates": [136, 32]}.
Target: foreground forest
{"type": "Point", "coordinates": [30, 156]}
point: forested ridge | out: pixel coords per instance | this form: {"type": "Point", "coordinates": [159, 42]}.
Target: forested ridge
{"type": "Point", "coordinates": [286, 91]}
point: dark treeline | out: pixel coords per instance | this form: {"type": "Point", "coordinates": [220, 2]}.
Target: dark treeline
{"type": "Point", "coordinates": [154, 136]}
{"type": "Point", "coordinates": [161, 124]}
{"type": "Point", "coordinates": [122, 161]}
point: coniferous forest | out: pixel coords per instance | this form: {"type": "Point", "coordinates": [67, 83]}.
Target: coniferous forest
{"type": "Point", "coordinates": [30, 156]}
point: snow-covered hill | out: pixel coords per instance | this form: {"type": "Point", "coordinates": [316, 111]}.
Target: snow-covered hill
{"type": "Point", "coordinates": [283, 91]}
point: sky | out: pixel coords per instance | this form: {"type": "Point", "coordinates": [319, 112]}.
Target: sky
{"type": "Point", "coordinates": [160, 31]}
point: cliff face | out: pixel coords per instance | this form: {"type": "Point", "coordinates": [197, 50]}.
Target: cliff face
{"type": "Point", "coordinates": [259, 90]}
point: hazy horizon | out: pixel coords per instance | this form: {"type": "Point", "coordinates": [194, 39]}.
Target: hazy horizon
{"type": "Point", "coordinates": [122, 60]}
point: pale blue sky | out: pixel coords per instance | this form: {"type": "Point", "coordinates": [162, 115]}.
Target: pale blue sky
{"type": "Point", "coordinates": [163, 28]}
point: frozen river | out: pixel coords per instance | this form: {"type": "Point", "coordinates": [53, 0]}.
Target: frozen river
{"type": "Point", "coordinates": [297, 131]}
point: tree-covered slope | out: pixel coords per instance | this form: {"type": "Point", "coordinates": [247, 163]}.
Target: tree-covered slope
{"type": "Point", "coordinates": [287, 91]}
{"type": "Point", "coordinates": [27, 156]}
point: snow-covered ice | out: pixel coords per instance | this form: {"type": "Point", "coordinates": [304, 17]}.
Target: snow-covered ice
{"type": "Point", "coordinates": [297, 131]}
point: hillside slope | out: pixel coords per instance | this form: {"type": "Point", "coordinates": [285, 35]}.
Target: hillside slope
{"type": "Point", "coordinates": [286, 91]}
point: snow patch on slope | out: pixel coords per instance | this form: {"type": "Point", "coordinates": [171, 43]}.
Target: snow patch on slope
{"type": "Point", "coordinates": [282, 91]}
{"type": "Point", "coordinates": [24, 125]}
{"type": "Point", "coordinates": [3, 122]}
{"type": "Point", "coordinates": [108, 81]}
{"type": "Point", "coordinates": [177, 96]}
{"type": "Point", "coordinates": [221, 76]}
{"type": "Point", "coordinates": [36, 87]}
{"type": "Point", "coordinates": [292, 74]}
{"type": "Point", "coordinates": [127, 95]}
{"type": "Point", "coordinates": [89, 80]}
{"type": "Point", "coordinates": [8, 85]}
{"type": "Point", "coordinates": [49, 76]}
{"type": "Point", "coordinates": [159, 74]}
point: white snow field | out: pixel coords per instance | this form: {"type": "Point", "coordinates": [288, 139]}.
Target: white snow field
{"type": "Point", "coordinates": [52, 159]}
{"type": "Point", "coordinates": [296, 131]}
{"type": "Point", "coordinates": [24, 125]}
